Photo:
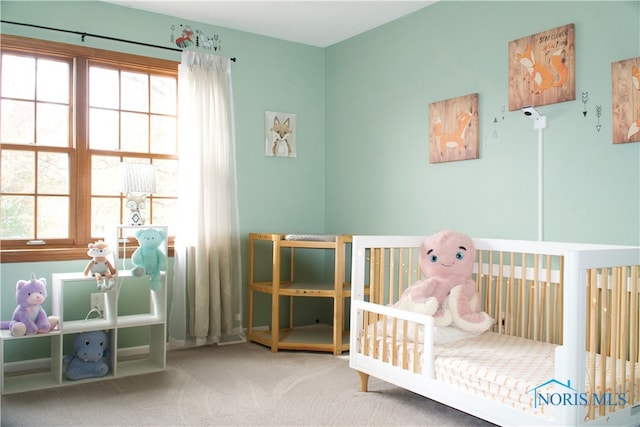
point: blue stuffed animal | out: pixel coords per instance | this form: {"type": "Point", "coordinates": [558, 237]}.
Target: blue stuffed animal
{"type": "Point", "coordinates": [89, 358]}
{"type": "Point", "coordinates": [148, 259]}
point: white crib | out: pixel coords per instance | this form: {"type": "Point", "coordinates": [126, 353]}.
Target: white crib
{"type": "Point", "coordinates": [564, 350]}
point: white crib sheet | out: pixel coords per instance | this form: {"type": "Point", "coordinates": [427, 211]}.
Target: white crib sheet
{"type": "Point", "coordinates": [499, 367]}
{"type": "Point", "coordinates": [495, 366]}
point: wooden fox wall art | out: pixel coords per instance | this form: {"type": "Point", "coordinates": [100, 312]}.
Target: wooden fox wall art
{"type": "Point", "coordinates": [542, 68]}
{"type": "Point", "coordinates": [453, 129]}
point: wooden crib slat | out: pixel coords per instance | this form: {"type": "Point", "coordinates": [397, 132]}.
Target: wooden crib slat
{"type": "Point", "coordinates": [635, 346]}
{"type": "Point", "coordinates": [499, 285]}
{"type": "Point", "coordinates": [624, 326]}
{"type": "Point", "coordinates": [604, 330]}
{"type": "Point", "coordinates": [489, 301]}
{"type": "Point", "coordinates": [409, 269]}
{"type": "Point", "coordinates": [547, 307]}
{"type": "Point", "coordinates": [416, 349]}
{"type": "Point", "coordinates": [375, 340]}
{"type": "Point", "coordinates": [405, 356]}
{"type": "Point", "coordinates": [392, 268]}
{"type": "Point", "coordinates": [592, 307]}
{"type": "Point", "coordinates": [534, 303]}
{"type": "Point", "coordinates": [374, 281]}
{"type": "Point", "coordinates": [511, 284]}
{"type": "Point", "coordinates": [394, 333]}
{"type": "Point", "coordinates": [561, 304]}
{"type": "Point", "coordinates": [385, 357]}
{"type": "Point", "coordinates": [614, 328]}
{"type": "Point", "coordinates": [521, 328]}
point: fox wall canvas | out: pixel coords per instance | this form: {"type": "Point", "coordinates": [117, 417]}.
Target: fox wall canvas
{"type": "Point", "coordinates": [542, 68]}
{"type": "Point", "coordinates": [453, 129]}
{"type": "Point", "coordinates": [625, 76]}
{"type": "Point", "coordinates": [280, 134]}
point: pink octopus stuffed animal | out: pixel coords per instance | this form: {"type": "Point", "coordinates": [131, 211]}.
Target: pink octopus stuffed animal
{"type": "Point", "coordinates": [447, 293]}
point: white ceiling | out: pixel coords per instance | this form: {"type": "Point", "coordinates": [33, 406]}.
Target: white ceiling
{"type": "Point", "coordinates": [315, 23]}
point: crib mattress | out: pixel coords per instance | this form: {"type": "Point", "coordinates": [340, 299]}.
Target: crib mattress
{"type": "Point", "coordinates": [499, 367]}
{"type": "Point", "coordinates": [494, 366]}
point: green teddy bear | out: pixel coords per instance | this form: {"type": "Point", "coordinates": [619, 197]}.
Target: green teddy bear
{"type": "Point", "coordinates": [148, 259]}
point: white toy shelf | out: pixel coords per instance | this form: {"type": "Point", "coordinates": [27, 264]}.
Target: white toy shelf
{"type": "Point", "coordinates": [130, 311]}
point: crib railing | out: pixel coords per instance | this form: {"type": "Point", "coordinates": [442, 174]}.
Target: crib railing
{"type": "Point", "coordinates": [613, 335]}
{"type": "Point", "coordinates": [523, 292]}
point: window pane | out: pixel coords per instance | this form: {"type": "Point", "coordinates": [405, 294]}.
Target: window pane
{"type": "Point", "coordinates": [163, 134]}
{"type": "Point", "coordinates": [104, 176]}
{"type": "Point", "coordinates": [53, 81]}
{"type": "Point", "coordinates": [135, 132]}
{"type": "Point", "coordinates": [53, 217]}
{"type": "Point", "coordinates": [103, 129]}
{"type": "Point", "coordinates": [17, 214]}
{"type": "Point", "coordinates": [53, 174]}
{"type": "Point", "coordinates": [163, 95]}
{"type": "Point", "coordinates": [105, 213]}
{"type": "Point", "coordinates": [135, 91]}
{"type": "Point", "coordinates": [18, 77]}
{"type": "Point", "coordinates": [53, 125]}
{"type": "Point", "coordinates": [103, 88]}
{"type": "Point", "coordinates": [130, 115]}
{"type": "Point", "coordinates": [17, 120]}
{"type": "Point", "coordinates": [18, 171]}
{"type": "Point", "coordinates": [166, 177]}
{"type": "Point", "coordinates": [164, 213]}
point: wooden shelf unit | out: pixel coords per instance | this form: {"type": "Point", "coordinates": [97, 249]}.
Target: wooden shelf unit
{"type": "Point", "coordinates": [149, 319]}
{"type": "Point", "coordinates": [328, 338]}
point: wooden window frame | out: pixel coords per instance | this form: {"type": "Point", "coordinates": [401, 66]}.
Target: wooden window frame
{"type": "Point", "coordinates": [79, 177]}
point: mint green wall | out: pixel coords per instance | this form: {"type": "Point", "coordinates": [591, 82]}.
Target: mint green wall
{"type": "Point", "coordinates": [362, 108]}
{"type": "Point", "coordinates": [378, 89]}
{"type": "Point", "coordinates": [275, 194]}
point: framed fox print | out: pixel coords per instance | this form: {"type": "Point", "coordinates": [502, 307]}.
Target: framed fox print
{"type": "Point", "coordinates": [453, 129]}
{"type": "Point", "coordinates": [542, 68]}
{"type": "Point", "coordinates": [280, 134]}
{"type": "Point", "coordinates": [625, 77]}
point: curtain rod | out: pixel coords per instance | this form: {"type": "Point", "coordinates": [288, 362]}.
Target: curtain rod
{"type": "Point", "coordinates": [84, 34]}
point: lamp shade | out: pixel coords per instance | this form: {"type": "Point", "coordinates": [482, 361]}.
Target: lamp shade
{"type": "Point", "coordinates": [137, 178]}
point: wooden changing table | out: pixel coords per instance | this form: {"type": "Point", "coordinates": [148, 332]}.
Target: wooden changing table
{"type": "Point", "coordinates": [329, 338]}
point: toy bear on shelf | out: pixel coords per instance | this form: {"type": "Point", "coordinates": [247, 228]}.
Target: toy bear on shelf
{"type": "Point", "coordinates": [148, 259]}
{"type": "Point", "coordinates": [100, 267]}
{"type": "Point", "coordinates": [29, 317]}
{"type": "Point", "coordinates": [448, 293]}
{"type": "Point", "coordinates": [89, 358]}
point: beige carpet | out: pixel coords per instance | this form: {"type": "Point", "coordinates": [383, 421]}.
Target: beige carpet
{"type": "Point", "coordinates": [233, 385]}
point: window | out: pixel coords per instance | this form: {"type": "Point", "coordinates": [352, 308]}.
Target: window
{"type": "Point", "coordinates": [69, 115]}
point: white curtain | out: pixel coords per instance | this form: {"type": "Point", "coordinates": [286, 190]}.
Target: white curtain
{"type": "Point", "coordinates": [207, 294]}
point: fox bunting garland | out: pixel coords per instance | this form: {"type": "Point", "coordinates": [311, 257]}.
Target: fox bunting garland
{"type": "Point", "coordinates": [188, 37]}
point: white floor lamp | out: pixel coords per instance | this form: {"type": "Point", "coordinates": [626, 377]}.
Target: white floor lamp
{"type": "Point", "coordinates": [539, 122]}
